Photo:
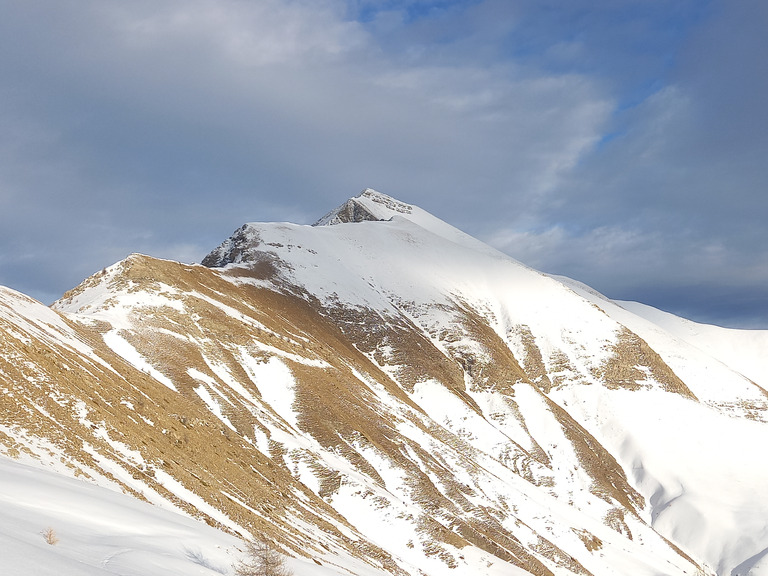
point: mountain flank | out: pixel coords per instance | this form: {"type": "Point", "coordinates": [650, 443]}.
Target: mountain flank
{"type": "Point", "coordinates": [381, 393]}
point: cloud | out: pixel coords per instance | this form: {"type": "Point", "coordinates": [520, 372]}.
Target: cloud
{"type": "Point", "coordinates": [248, 34]}
{"type": "Point", "coordinates": [146, 126]}
{"type": "Point", "coordinates": [622, 144]}
{"type": "Point", "coordinates": [671, 207]}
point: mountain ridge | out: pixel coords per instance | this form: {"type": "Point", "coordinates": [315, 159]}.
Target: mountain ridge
{"type": "Point", "coordinates": [383, 389]}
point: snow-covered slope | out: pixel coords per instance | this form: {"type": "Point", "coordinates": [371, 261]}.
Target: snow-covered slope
{"type": "Point", "coordinates": [371, 205]}
{"type": "Point", "coordinates": [52, 525]}
{"type": "Point", "coordinates": [382, 392]}
{"type": "Point", "coordinates": [698, 463]}
{"type": "Point", "coordinates": [97, 531]}
{"type": "Point", "coordinates": [745, 351]}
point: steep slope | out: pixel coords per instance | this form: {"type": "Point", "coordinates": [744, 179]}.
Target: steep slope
{"type": "Point", "coordinates": [383, 392]}
{"type": "Point", "coordinates": [71, 401]}
{"type": "Point", "coordinates": [344, 427]}
{"type": "Point", "coordinates": [697, 463]}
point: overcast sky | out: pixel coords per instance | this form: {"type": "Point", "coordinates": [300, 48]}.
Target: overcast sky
{"type": "Point", "coordinates": [623, 143]}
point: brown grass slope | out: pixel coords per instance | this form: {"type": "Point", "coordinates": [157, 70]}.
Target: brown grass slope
{"type": "Point", "coordinates": [87, 412]}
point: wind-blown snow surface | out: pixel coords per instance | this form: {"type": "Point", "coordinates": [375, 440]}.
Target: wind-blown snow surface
{"type": "Point", "coordinates": [100, 532]}
{"type": "Point", "coordinates": [437, 399]}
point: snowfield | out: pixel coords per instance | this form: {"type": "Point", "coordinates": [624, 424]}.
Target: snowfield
{"type": "Point", "coordinates": [100, 532]}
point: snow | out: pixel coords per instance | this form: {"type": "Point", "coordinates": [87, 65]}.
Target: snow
{"type": "Point", "coordinates": [316, 363]}
{"type": "Point", "coordinates": [403, 264]}
{"type": "Point", "coordinates": [123, 348]}
{"type": "Point", "coordinates": [213, 405]}
{"type": "Point", "coordinates": [700, 470]}
{"type": "Point", "coordinates": [186, 495]}
{"type": "Point", "coordinates": [101, 532]}
{"type": "Point", "coordinates": [38, 321]}
{"type": "Point", "coordinates": [745, 351]}
{"type": "Point", "coordinates": [712, 361]}
{"type": "Point", "coordinates": [448, 410]}
{"type": "Point", "coordinates": [276, 385]}
{"type": "Point", "coordinates": [397, 266]}
{"type": "Point", "coordinates": [384, 207]}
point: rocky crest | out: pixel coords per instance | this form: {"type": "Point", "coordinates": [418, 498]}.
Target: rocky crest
{"type": "Point", "coordinates": [369, 205]}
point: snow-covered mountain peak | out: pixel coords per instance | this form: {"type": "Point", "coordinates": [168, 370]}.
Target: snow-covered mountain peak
{"type": "Point", "coordinates": [388, 396]}
{"type": "Point", "coordinates": [247, 243]}
{"type": "Point", "coordinates": [369, 205]}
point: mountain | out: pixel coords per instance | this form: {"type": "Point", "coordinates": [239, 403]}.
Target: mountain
{"type": "Point", "coordinates": [381, 393]}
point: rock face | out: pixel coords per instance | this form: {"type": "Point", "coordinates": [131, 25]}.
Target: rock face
{"type": "Point", "coordinates": [387, 395]}
{"type": "Point", "coordinates": [369, 206]}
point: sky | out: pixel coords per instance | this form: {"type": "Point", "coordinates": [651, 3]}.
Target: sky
{"type": "Point", "coordinates": [620, 143]}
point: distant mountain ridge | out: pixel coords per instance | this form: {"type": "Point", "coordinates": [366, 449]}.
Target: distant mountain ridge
{"type": "Point", "coordinates": [384, 394]}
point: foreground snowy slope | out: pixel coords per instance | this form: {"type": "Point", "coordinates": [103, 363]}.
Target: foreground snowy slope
{"type": "Point", "coordinates": [382, 392]}
{"type": "Point", "coordinates": [100, 532]}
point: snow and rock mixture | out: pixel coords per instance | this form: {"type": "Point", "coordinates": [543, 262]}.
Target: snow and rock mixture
{"type": "Point", "coordinates": [381, 393]}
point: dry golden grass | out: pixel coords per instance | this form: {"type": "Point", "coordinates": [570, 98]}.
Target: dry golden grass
{"type": "Point", "coordinates": [50, 537]}
{"type": "Point", "coordinates": [533, 362]}
{"type": "Point", "coordinates": [591, 542]}
{"type": "Point", "coordinates": [631, 351]}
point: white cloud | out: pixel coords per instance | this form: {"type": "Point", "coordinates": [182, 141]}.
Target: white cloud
{"type": "Point", "coordinates": [247, 33]}
{"type": "Point", "coordinates": [187, 118]}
